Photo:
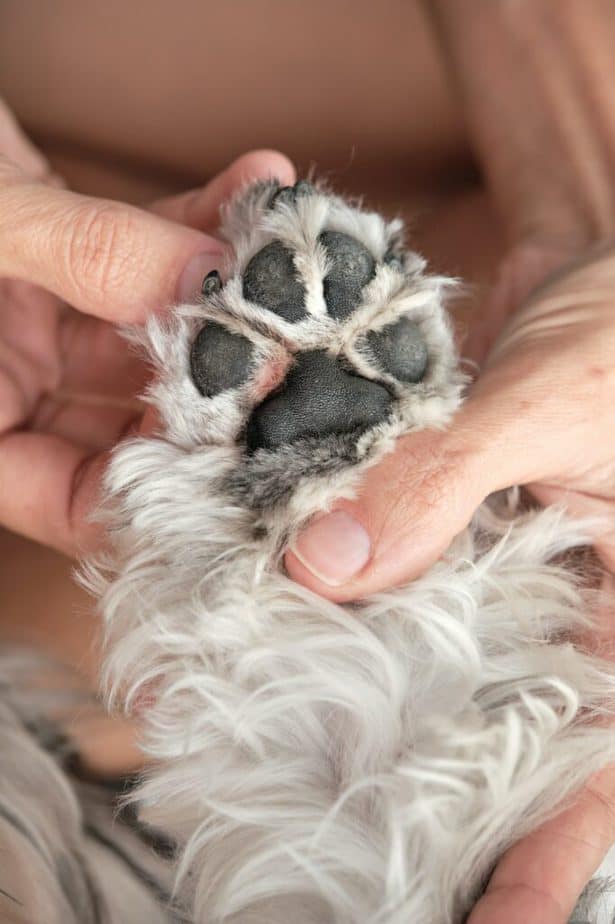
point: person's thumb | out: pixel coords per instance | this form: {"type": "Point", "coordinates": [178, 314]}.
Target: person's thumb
{"type": "Point", "coordinates": [410, 507]}
{"type": "Point", "coordinates": [412, 504]}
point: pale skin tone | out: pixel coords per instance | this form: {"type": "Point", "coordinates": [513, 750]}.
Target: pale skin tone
{"type": "Point", "coordinates": [541, 413]}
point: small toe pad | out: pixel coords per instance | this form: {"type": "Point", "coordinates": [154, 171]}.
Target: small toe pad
{"type": "Point", "coordinates": [351, 267]}
{"type": "Point", "coordinates": [318, 398]}
{"type": "Point", "coordinates": [400, 350]}
{"type": "Point", "coordinates": [271, 281]}
{"type": "Point", "coordinates": [219, 359]}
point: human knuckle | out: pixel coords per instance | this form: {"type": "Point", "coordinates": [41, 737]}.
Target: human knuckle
{"type": "Point", "coordinates": [97, 244]}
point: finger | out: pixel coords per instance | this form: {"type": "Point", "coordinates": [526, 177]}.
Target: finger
{"type": "Point", "coordinates": [540, 879]}
{"type": "Point", "coordinates": [87, 421]}
{"type": "Point", "coordinates": [410, 507]}
{"type": "Point", "coordinates": [97, 360]}
{"type": "Point", "coordinates": [417, 499]}
{"type": "Point", "coordinates": [107, 259]}
{"type": "Point", "coordinates": [200, 208]}
{"type": "Point", "coordinates": [48, 488]}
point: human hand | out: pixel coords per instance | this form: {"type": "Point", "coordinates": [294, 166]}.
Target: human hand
{"type": "Point", "coordinates": [539, 880]}
{"type": "Point", "coordinates": [543, 414]}
{"type": "Point", "coordinates": [531, 78]}
{"type": "Point", "coordinates": [67, 380]}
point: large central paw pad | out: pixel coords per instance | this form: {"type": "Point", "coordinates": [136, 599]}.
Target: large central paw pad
{"type": "Point", "coordinates": [326, 340]}
{"type": "Point", "coordinates": [319, 397]}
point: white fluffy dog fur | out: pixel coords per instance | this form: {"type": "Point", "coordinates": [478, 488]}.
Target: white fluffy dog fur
{"type": "Point", "coordinates": [318, 763]}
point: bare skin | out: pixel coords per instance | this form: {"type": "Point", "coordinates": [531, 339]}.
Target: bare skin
{"type": "Point", "coordinates": [328, 84]}
{"type": "Point", "coordinates": [545, 143]}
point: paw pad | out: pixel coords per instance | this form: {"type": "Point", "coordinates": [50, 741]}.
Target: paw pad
{"type": "Point", "coordinates": [219, 360]}
{"type": "Point", "coordinates": [325, 340]}
{"type": "Point", "coordinates": [271, 281]}
{"type": "Point", "coordinates": [318, 398]}
{"type": "Point", "coordinates": [400, 350]}
{"type": "Point", "coordinates": [351, 267]}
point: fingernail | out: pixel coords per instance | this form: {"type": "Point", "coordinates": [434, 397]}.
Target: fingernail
{"type": "Point", "coordinates": [334, 547]}
{"type": "Point", "coordinates": [196, 269]}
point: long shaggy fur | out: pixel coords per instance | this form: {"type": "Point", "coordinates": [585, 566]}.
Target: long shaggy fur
{"type": "Point", "coordinates": [318, 763]}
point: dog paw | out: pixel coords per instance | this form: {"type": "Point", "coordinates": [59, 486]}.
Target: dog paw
{"type": "Point", "coordinates": [325, 341]}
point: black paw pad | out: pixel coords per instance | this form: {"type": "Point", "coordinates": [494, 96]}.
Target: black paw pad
{"type": "Point", "coordinates": [351, 268]}
{"type": "Point", "coordinates": [219, 359]}
{"type": "Point", "coordinates": [271, 280]}
{"type": "Point", "coordinates": [319, 397]}
{"type": "Point", "coordinates": [400, 350]}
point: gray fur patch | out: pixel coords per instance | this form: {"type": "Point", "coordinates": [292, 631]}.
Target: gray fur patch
{"type": "Point", "coordinates": [266, 478]}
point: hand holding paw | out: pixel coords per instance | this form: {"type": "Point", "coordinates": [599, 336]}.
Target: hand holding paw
{"type": "Point", "coordinates": [67, 380]}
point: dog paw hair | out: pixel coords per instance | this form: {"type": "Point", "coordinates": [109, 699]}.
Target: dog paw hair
{"type": "Point", "coordinates": [319, 343]}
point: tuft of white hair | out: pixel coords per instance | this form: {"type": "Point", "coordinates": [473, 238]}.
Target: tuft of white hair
{"type": "Point", "coordinates": [327, 764]}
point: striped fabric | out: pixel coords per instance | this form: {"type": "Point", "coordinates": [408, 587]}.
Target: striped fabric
{"type": "Point", "coordinates": [68, 853]}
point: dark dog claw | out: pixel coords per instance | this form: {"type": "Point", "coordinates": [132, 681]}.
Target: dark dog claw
{"type": "Point", "coordinates": [289, 194]}
{"type": "Point", "coordinates": [284, 194]}
{"type": "Point", "coordinates": [212, 283]}
{"type": "Point", "coordinates": [304, 188]}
